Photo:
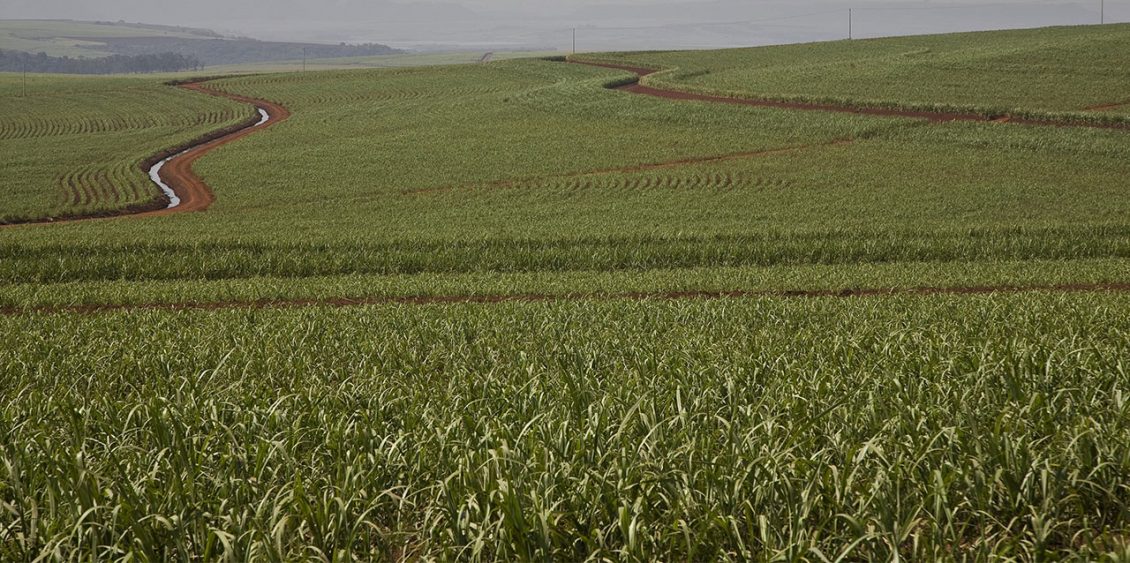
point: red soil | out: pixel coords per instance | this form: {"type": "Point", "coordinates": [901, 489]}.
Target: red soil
{"type": "Point", "coordinates": [637, 88]}
{"type": "Point", "coordinates": [196, 196]}
{"type": "Point", "coordinates": [177, 173]}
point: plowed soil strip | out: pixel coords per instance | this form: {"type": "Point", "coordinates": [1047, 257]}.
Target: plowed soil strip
{"type": "Point", "coordinates": [191, 193]}
{"type": "Point", "coordinates": [549, 298]}
{"type": "Point", "coordinates": [939, 117]}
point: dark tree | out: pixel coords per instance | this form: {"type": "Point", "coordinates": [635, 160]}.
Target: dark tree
{"type": "Point", "coordinates": [17, 61]}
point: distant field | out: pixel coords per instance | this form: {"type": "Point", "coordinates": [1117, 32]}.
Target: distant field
{"type": "Point", "coordinates": [502, 312]}
{"type": "Point", "coordinates": [86, 39]}
{"type": "Point", "coordinates": [380, 61]}
{"type": "Point", "coordinates": [531, 165]}
{"type": "Point", "coordinates": [60, 38]}
{"type": "Point", "coordinates": [92, 40]}
{"type": "Point", "coordinates": [1057, 70]}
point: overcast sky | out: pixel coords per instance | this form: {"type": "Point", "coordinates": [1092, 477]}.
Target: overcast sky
{"type": "Point", "coordinates": [614, 24]}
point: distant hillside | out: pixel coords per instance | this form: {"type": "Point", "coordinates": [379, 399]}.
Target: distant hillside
{"type": "Point", "coordinates": [18, 61]}
{"type": "Point", "coordinates": [165, 28]}
{"type": "Point", "coordinates": [237, 51]}
{"type": "Point", "coordinates": [91, 40]}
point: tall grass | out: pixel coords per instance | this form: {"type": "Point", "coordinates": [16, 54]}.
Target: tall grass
{"type": "Point", "coordinates": [939, 428]}
{"type": "Point", "coordinates": [96, 261]}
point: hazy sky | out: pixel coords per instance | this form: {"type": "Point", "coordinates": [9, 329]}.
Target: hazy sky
{"type": "Point", "coordinates": [615, 24]}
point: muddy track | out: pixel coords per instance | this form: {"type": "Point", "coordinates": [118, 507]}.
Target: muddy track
{"type": "Point", "coordinates": [549, 298]}
{"type": "Point", "coordinates": [183, 191]}
{"type": "Point", "coordinates": [938, 117]}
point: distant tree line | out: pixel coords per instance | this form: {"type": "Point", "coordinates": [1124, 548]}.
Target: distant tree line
{"type": "Point", "coordinates": [17, 61]}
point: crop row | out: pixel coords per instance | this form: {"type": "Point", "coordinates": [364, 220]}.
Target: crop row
{"type": "Point", "coordinates": [112, 109]}
{"type": "Point", "coordinates": [919, 428]}
{"type": "Point", "coordinates": [353, 88]}
{"type": "Point", "coordinates": [1023, 73]}
{"type": "Point", "coordinates": [846, 280]}
{"type": "Point", "coordinates": [77, 143]}
{"type": "Point", "coordinates": [159, 259]}
{"type": "Point", "coordinates": [595, 180]}
{"type": "Point", "coordinates": [24, 126]}
{"type": "Point", "coordinates": [104, 185]}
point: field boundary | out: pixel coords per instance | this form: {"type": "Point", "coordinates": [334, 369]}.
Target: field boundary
{"type": "Point", "coordinates": [341, 302]}
{"type": "Point", "coordinates": [193, 193]}
{"type": "Point", "coordinates": [645, 84]}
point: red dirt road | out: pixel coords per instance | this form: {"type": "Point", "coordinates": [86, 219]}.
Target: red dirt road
{"type": "Point", "coordinates": [940, 117]}
{"type": "Point", "coordinates": [194, 194]}
{"type": "Point", "coordinates": [177, 173]}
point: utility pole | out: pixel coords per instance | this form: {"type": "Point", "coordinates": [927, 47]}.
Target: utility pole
{"type": "Point", "coordinates": [574, 41]}
{"type": "Point", "coordinates": [304, 59]}
{"type": "Point", "coordinates": [25, 79]}
{"type": "Point", "coordinates": [1102, 12]}
{"type": "Point", "coordinates": [849, 24]}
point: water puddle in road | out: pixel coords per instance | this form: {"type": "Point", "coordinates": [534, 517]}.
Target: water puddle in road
{"type": "Point", "coordinates": [155, 170]}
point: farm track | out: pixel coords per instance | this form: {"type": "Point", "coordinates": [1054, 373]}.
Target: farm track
{"type": "Point", "coordinates": [549, 298]}
{"type": "Point", "coordinates": [195, 195]}
{"type": "Point", "coordinates": [934, 117]}
{"type": "Point", "coordinates": [177, 173]}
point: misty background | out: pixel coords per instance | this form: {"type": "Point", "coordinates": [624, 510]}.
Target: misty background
{"type": "Point", "coordinates": [600, 26]}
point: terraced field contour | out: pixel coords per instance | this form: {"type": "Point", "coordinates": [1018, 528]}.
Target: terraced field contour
{"type": "Point", "coordinates": [171, 170]}
{"type": "Point", "coordinates": [637, 87]}
{"type": "Point", "coordinates": [189, 193]}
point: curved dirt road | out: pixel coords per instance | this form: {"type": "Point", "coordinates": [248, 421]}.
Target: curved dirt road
{"type": "Point", "coordinates": [177, 172]}
{"type": "Point", "coordinates": [174, 166]}
{"type": "Point", "coordinates": [939, 117]}
{"type": "Point", "coordinates": [194, 195]}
